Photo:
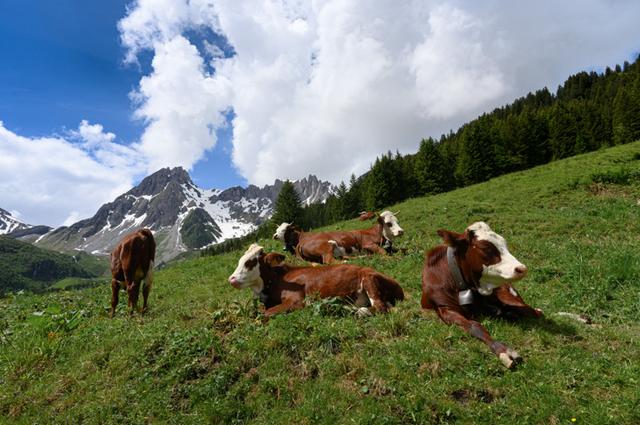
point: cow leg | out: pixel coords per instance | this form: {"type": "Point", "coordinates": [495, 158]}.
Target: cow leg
{"type": "Point", "coordinates": [284, 307]}
{"type": "Point", "coordinates": [378, 304]}
{"type": "Point", "coordinates": [507, 356]}
{"type": "Point", "coordinates": [146, 289]}
{"type": "Point", "coordinates": [512, 302]}
{"type": "Point", "coordinates": [375, 249]}
{"type": "Point", "coordinates": [115, 288]}
{"type": "Point", "coordinates": [328, 258]}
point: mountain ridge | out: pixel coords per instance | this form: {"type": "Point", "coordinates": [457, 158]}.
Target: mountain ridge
{"type": "Point", "coordinates": [167, 199]}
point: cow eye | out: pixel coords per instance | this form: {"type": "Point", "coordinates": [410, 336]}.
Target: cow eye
{"type": "Point", "coordinates": [250, 264]}
{"type": "Point", "coordinates": [388, 224]}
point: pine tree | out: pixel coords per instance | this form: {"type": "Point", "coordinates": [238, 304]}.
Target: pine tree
{"type": "Point", "coordinates": [430, 169]}
{"type": "Point", "coordinates": [288, 207]}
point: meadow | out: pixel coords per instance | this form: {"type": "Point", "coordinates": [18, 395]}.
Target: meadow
{"type": "Point", "coordinates": [204, 353]}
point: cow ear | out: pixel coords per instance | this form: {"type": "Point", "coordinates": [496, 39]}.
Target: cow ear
{"type": "Point", "coordinates": [470, 235]}
{"type": "Point", "coordinates": [273, 259]}
{"type": "Point", "coordinates": [380, 219]}
{"type": "Point", "coordinates": [450, 238]}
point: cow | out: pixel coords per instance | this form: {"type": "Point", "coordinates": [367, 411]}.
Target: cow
{"type": "Point", "coordinates": [282, 287]}
{"type": "Point", "coordinates": [366, 215]}
{"type": "Point", "coordinates": [131, 262]}
{"type": "Point", "coordinates": [324, 247]}
{"type": "Point", "coordinates": [472, 274]}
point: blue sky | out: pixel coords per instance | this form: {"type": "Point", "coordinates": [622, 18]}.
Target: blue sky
{"type": "Point", "coordinates": [62, 62]}
{"type": "Point", "coordinates": [94, 95]}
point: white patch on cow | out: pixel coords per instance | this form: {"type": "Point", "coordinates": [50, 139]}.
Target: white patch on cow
{"type": "Point", "coordinates": [513, 291]}
{"type": "Point", "coordinates": [280, 231]}
{"type": "Point", "coordinates": [243, 277]}
{"type": "Point", "coordinates": [390, 229]}
{"type": "Point", "coordinates": [500, 273]}
{"type": "Point", "coordinates": [338, 251]}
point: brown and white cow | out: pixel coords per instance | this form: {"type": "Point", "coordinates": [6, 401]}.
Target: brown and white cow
{"type": "Point", "coordinates": [131, 262]}
{"type": "Point", "coordinates": [471, 274]}
{"type": "Point", "coordinates": [324, 247]}
{"type": "Point", "coordinates": [282, 287]}
{"type": "Point", "coordinates": [366, 215]}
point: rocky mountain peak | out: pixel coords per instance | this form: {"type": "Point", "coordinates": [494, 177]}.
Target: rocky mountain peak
{"type": "Point", "coordinates": [8, 223]}
{"type": "Point", "coordinates": [181, 215]}
{"type": "Point", "coordinates": [158, 181]}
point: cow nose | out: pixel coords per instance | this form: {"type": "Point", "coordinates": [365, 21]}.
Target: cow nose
{"type": "Point", "coordinates": [400, 232]}
{"type": "Point", "coordinates": [521, 270]}
{"type": "Point", "coordinates": [275, 236]}
{"type": "Point", "coordinates": [232, 279]}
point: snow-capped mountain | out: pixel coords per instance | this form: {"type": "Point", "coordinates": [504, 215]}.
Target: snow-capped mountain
{"type": "Point", "coordinates": [9, 223]}
{"type": "Point", "coordinates": [181, 215]}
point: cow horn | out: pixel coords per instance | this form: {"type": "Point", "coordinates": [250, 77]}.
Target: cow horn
{"type": "Point", "coordinates": [396, 213]}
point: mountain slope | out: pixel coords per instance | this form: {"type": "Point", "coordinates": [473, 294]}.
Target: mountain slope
{"type": "Point", "coordinates": [25, 266]}
{"type": "Point", "coordinates": [166, 202]}
{"type": "Point", "coordinates": [203, 354]}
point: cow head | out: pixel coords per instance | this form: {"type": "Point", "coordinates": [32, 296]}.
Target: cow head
{"type": "Point", "coordinates": [289, 234]}
{"type": "Point", "coordinates": [281, 231]}
{"type": "Point", "coordinates": [250, 270]}
{"type": "Point", "coordinates": [484, 256]}
{"type": "Point", "coordinates": [390, 227]}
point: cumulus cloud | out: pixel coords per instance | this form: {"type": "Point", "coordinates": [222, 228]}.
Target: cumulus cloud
{"type": "Point", "coordinates": [52, 180]}
{"type": "Point", "coordinates": [325, 87]}
{"type": "Point", "coordinates": [181, 104]}
{"type": "Point", "coordinates": [92, 134]}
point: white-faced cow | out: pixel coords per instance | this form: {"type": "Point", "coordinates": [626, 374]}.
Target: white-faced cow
{"type": "Point", "coordinates": [131, 262]}
{"type": "Point", "coordinates": [324, 247]}
{"type": "Point", "coordinates": [282, 287]}
{"type": "Point", "coordinates": [471, 274]}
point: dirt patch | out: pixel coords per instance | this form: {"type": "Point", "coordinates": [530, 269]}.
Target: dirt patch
{"type": "Point", "coordinates": [464, 396]}
{"type": "Point", "coordinates": [608, 191]}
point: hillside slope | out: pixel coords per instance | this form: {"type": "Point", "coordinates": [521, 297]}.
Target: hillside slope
{"type": "Point", "coordinates": [25, 266]}
{"type": "Point", "coordinates": [203, 353]}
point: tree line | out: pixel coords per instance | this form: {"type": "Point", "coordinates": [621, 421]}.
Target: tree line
{"type": "Point", "coordinates": [589, 111]}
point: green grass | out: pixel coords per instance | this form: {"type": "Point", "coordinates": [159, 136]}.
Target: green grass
{"type": "Point", "coordinates": [204, 354]}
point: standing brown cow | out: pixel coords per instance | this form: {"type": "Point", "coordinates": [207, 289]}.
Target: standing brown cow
{"type": "Point", "coordinates": [131, 262]}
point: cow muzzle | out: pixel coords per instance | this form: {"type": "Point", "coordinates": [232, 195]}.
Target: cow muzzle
{"type": "Point", "coordinates": [234, 282]}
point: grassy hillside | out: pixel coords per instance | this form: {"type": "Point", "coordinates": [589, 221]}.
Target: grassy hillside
{"type": "Point", "coordinates": [25, 266]}
{"type": "Point", "coordinates": [203, 354]}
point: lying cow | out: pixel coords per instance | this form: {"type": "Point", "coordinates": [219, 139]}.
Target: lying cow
{"type": "Point", "coordinates": [324, 247]}
{"type": "Point", "coordinates": [471, 274]}
{"type": "Point", "coordinates": [131, 262]}
{"type": "Point", "coordinates": [366, 215]}
{"type": "Point", "coordinates": [282, 287]}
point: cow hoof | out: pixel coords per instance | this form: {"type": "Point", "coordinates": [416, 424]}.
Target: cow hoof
{"type": "Point", "coordinates": [363, 312]}
{"type": "Point", "coordinates": [510, 358]}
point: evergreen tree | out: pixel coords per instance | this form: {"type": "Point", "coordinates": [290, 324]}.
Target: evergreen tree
{"type": "Point", "coordinates": [288, 207]}
{"type": "Point", "coordinates": [477, 156]}
{"type": "Point", "coordinates": [353, 204]}
{"type": "Point", "coordinates": [430, 169]}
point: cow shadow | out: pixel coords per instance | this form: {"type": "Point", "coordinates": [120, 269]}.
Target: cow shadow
{"type": "Point", "coordinates": [543, 323]}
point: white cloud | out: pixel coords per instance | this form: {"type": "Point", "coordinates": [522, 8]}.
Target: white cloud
{"type": "Point", "coordinates": [46, 178]}
{"type": "Point", "coordinates": [325, 86]}
{"type": "Point", "coordinates": [181, 104]}
{"type": "Point", "coordinates": [92, 134]}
